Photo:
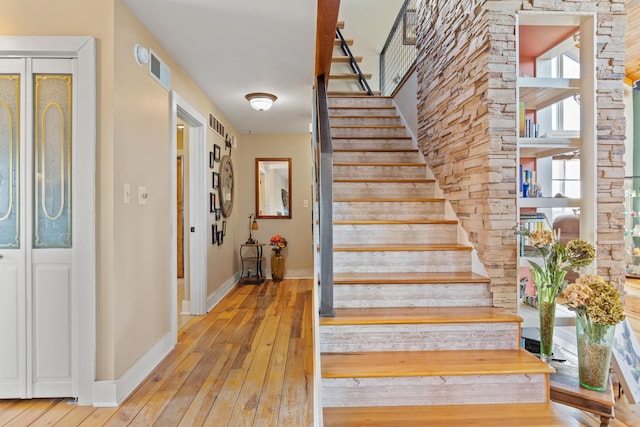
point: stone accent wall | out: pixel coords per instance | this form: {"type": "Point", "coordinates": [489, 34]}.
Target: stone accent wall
{"type": "Point", "coordinates": [467, 113]}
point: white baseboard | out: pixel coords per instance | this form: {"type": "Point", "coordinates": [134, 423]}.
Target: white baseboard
{"type": "Point", "coordinates": [112, 393]}
{"type": "Point", "coordinates": [186, 307]}
{"type": "Point", "coordinates": [222, 291]}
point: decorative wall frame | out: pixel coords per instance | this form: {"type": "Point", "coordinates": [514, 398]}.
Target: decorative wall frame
{"type": "Point", "coordinates": [216, 152]}
{"type": "Point", "coordinates": [212, 159]}
{"type": "Point", "coordinates": [214, 234]}
{"type": "Point", "coordinates": [215, 180]}
{"type": "Point", "coordinates": [224, 228]}
{"type": "Point", "coordinates": [212, 202]}
{"type": "Point", "coordinates": [409, 23]}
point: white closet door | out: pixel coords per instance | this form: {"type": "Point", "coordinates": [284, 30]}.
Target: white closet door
{"type": "Point", "coordinates": [41, 265]}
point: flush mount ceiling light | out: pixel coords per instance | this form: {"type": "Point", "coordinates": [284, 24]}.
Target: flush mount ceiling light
{"type": "Point", "coordinates": [261, 101]}
{"type": "Point", "coordinates": [141, 54]}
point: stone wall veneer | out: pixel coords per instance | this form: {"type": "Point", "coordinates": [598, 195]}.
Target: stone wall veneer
{"type": "Point", "coordinates": [467, 113]}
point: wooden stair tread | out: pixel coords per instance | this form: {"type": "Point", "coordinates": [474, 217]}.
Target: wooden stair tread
{"type": "Point", "coordinates": [360, 116]}
{"type": "Point", "coordinates": [367, 127]}
{"type": "Point", "coordinates": [380, 164]}
{"type": "Point", "coordinates": [407, 278]}
{"type": "Point", "coordinates": [514, 414]}
{"type": "Point", "coordinates": [418, 315]}
{"type": "Point", "coordinates": [343, 59]}
{"type": "Point", "coordinates": [340, 25]}
{"type": "Point", "coordinates": [394, 222]}
{"type": "Point", "coordinates": [386, 138]}
{"type": "Point", "coordinates": [389, 180]}
{"type": "Point", "coordinates": [345, 93]}
{"type": "Point", "coordinates": [338, 42]}
{"type": "Point", "coordinates": [348, 76]}
{"type": "Point", "coordinates": [384, 364]}
{"type": "Point", "coordinates": [376, 150]}
{"type": "Point", "coordinates": [393, 247]}
{"type": "Point", "coordinates": [362, 107]}
{"type": "Point", "coordinates": [394, 200]}
{"type": "Point", "coordinates": [356, 96]}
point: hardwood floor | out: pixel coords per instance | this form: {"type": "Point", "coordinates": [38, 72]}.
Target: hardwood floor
{"type": "Point", "coordinates": [249, 362]}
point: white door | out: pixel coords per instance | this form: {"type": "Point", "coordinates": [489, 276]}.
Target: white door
{"type": "Point", "coordinates": [37, 320]}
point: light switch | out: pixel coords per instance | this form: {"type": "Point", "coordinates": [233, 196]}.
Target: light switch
{"type": "Point", "coordinates": [142, 195]}
{"type": "Point", "coordinates": [127, 194]}
{"type": "Point", "coordinates": [306, 203]}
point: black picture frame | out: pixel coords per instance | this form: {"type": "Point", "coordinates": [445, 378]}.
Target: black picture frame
{"type": "Point", "coordinates": [215, 180]}
{"type": "Point", "coordinates": [214, 234]}
{"type": "Point", "coordinates": [224, 228]}
{"type": "Point", "coordinates": [212, 160]}
{"type": "Point", "coordinates": [218, 214]}
{"type": "Point", "coordinates": [220, 238]}
{"type": "Point", "coordinates": [212, 202]}
{"type": "Point", "coordinates": [409, 23]}
{"type": "Point", "coordinates": [216, 152]}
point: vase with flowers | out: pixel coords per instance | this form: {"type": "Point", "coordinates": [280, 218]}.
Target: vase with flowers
{"type": "Point", "coordinates": [598, 308]}
{"type": "Point", "coordinates": [278, 243]}
{"type": "Point", "coordinates": [549, 276]}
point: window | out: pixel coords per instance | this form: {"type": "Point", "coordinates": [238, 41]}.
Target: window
{"type": "Point", "coordinates": [566, 178]}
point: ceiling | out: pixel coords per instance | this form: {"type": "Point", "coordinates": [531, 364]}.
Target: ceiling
{"type": "Point", "coordinates": [231, 48]}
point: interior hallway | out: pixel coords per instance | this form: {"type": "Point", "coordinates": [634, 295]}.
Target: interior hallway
{"type": "Point", "coordinates": [247, 362]}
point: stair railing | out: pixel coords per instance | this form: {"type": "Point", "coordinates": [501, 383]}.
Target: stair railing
{"type": "Point", "coordinates": [398, 56]}
{"type": "Point", "coordinates": [353, 63]}
{"type": "Point", "coordinates": [324, 170]}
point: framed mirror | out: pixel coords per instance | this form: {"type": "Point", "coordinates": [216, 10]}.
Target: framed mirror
{"type": "Point", "coordinates": [273, 188]}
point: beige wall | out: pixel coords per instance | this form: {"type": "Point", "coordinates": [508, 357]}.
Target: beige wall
{"type": "Point", "coordinates": [133, 140]}
{"type": "Point", "coordinates": [297, 230]}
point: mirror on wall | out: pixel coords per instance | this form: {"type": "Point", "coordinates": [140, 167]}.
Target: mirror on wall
{"type": "Point", "coordinates": [273, 188]}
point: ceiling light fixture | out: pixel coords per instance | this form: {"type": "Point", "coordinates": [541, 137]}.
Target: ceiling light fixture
{"type": "Point", "coordinates": [261, 101]}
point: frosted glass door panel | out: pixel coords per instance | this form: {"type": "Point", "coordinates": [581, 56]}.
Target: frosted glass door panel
{"type": "Point", "coordinates": [9, 161]}
{"type": "Point", "coordinates": [52, 161]}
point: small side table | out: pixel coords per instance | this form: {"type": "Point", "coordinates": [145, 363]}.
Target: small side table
{"type": "Point", "coordinates": [251, 259]}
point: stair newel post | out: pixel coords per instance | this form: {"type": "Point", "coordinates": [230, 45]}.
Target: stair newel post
{"type": "Point", "coordinates": [325, 215]}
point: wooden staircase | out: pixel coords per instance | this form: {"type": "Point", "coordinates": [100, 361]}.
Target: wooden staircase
{"type": "Point", "coordinates": [415, 340]}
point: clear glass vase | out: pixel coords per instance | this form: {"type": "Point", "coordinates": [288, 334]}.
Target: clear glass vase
{"type": "Point", "coordinates": [595, 342]}
{"type": "Point", "coordinates": [547, 313]}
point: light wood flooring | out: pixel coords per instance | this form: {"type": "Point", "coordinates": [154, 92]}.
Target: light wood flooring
{"type": "Point", "coordinates": [246, 363]}
{"type": "Point", "coordinates": [249, 362]}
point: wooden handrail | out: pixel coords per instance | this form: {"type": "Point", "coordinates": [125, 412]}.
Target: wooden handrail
{"type": "Point", "coordinates": [324, 163]}
{"type": "Point", "coordinates": [325, 34]}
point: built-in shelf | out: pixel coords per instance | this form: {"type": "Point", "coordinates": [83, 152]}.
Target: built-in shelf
{"type": "Point", "coordinates": [545, 147]}
{"type": "Point", "coordinates": [538, 93]}
{"type": "Point", "coordinates": [548, 202]}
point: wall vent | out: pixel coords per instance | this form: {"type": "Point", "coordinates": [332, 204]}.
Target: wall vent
{"type": "Point", "coordinates": [159, 71]}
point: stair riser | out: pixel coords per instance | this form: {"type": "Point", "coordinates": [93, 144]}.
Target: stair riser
{"type": "Point", "coordinates": [412, 295]}
{"type": "Point", "coordinates": [394, 233]}
{"type": "Point", "coordinates": [367, 190]}
{"type": "Point", "coordinates": [418, 337]}
{"type": "Point", "coordinates": [377, 157]}
{"type": "Point", "coordinates": [372, 144]}
{"type": "Point", "coordinates": [401, 261]}
{"type": "Point", "coordinates": [365, 121]}
{"type": "Point", "coordinates": [349, 211]}
{"type": "Point", "coordinates": [362, 111]}
{"type": "Point", "coordinates": [379, 172]}
{"type": "Point", "coordinates": [363, 101]}
{"type": "Point", "coordinates": [368, 132]}
{"type": "Point", "coordinates": [438, 390]}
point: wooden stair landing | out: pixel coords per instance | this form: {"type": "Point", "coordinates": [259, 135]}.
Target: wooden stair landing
{"type": "Point", "coordinates": [512, 415]}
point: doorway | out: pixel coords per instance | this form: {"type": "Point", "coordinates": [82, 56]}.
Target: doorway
{"type": "Point", "coordinates": [194, 248]}
{"type": "Point", "coordinates": [182, 212]}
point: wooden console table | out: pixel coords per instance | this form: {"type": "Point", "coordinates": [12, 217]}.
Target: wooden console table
{"type": "Point", "coordinates": [565, 389]}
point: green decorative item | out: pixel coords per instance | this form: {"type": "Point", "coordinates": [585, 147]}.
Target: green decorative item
{"type": "Point", "coordinates": [598, 308]}
{"type": "Point", "coordinates": [549, 276]}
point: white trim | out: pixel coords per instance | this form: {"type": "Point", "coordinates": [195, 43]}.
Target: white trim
{"type": "Point", "coordinates": [113, 392]}
{"type": "Point", "coordinates": [84, 248]}
{"type": "Point", "coordinates": [222, 291]}
{"type": "Point", "coordinates": [197, 268]}
{"type": "Point", "coordinates": [186, 307]}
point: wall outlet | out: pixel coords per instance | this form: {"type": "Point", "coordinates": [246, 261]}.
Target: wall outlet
{"type": "Point", "coordinates": [142, 195]}
{"type": "Point", "coordinates": [305, 203]}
